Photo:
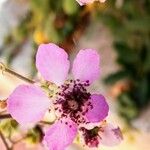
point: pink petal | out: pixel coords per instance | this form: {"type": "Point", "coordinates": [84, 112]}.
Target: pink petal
{"type": "Point", "coordinates": [27, 104]}
{"type": "Point", "coordinates": [86, 65]}
{"type": "Point", "coordinates": [111, 135]}
{"type": "Point", "coordinates": [83, 2]}
{"type": "Point", "coordinates": [60, 135]}
{"type": "Point", "coordinates": [52, 62]}
{"type": "Point", "coordinates": [100, 109]}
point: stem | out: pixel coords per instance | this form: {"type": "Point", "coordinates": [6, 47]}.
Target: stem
{"type": "Point", "coordinates": [5, 116]}
{"type": "Point", "coordinates": [5, 69]}
{"type": "Point", "coordinates": [19, 76]}
{"type": "Point", "coordinates": [4, 141]}
{"type": "Point", "coordinates": [46, 122]}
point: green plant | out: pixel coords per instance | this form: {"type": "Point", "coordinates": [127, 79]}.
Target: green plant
{"type": "Point", "coordinates": [130, 25]}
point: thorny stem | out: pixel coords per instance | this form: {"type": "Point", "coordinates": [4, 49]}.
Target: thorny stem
{"type": "Point", "coordinates": [4, 141]}
{"type": "Point", "coordinates": [3, 68]}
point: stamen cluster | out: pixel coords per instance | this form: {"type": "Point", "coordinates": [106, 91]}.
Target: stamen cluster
{"type": "Point", "coordinates": [91, 137]}
{"type": "Point", "coordinates": [72, 100]}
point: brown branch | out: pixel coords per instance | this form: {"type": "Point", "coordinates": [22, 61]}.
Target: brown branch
{"type": "Point", "coordinates": [5, 116]}
{"type": "Point", "coordinates": [46, 122]}
{"type": "Point", "coordinates": [19, 76]}
{"type": "Point", "coordinates": [5, 69]}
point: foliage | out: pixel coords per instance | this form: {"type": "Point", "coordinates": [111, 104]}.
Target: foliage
{"type": "Point", "coordinates": [130, 25]}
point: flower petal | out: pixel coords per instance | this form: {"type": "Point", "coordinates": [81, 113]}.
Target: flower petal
{"type": "Point", "coordinates": [27, 104]}
{"type": "Point", "coordinates": [52, 62]}
{"type": "Point", "coordinates": [60, 135]}
{"type": "Point", "coordinates": [83, 2]}
{"type": "Point", "coordinates": [86, 65]}
{"type": "Point", "coordinates": [100, 109]}
{"type": "Point", "coordinates": [111, 135]}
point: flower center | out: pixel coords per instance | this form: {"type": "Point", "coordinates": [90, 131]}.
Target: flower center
{"type": "Point", "coordinates": [72, 100]}
{"type": "Point", "coordinates": [73, 105]}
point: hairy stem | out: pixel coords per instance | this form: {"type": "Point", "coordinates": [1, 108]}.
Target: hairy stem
{"type": "Point", "coordinates": [3, 68]}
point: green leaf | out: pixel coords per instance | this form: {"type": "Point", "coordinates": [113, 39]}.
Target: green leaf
{"type": "Point", "coordinates": [127, 107]}
{"type": "Point", "coordinates": [141, 92]}
{"type": "Point", "coordinates": [113, 78]}
{"type": "Point", "coordinates": [125, 53]}
{"type": "Point", "coordinates": [139, 24]}
{"type": "Point", "coordinates": [70, 7]}
{"type": "Point", "coordinates": [146, 63]}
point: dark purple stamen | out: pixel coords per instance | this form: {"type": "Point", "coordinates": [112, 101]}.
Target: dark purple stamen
{"type": "Point", "coordinates": [91, 137]}
{"type": "Point", "coordinates": [72, 100]}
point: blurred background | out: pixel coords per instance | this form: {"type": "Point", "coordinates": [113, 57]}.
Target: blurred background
{"type": "Point", "coordinates": [118, 29]}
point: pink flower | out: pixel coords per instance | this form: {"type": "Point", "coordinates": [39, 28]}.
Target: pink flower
{"type": "Point", "coordinates": [105, 134]}
{"type": "Point", "coordinates": [73, 104]}
{"type": "Point", "coordinates": [84, 2]}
